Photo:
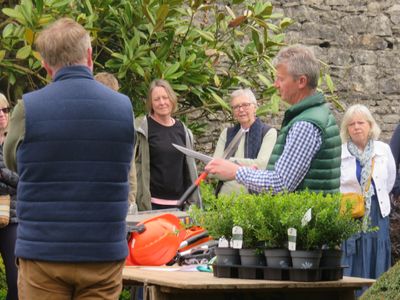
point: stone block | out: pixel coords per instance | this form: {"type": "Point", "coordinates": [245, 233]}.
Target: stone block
{"type": "Point", "coordinates": [364, 57]}
{"type": "Point", "coordinates": [394, 13]}
{"type": "Point", "coordinates": [355, 24]}
{"type": "Point", "coordinates": [374, 7]}
{"type": "Point", "coordinates": [380, 26]}
{"type": "Point", "coordinates": [339, 57]}
{"type": "Point", "coordinates": [364, 79]}
{"type": "Point", "coordinates": [390, 85]}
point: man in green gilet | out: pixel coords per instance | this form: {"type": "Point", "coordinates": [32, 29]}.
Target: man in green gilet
{"type": "Point", "coordinates": [307, 151]}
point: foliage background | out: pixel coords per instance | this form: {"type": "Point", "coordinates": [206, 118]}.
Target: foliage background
{"type": "Point", "coordinates": [205, 48]}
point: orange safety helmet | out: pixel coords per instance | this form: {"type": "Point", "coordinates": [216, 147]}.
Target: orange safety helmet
{"type": "Point", "coordinates": [158, 244]}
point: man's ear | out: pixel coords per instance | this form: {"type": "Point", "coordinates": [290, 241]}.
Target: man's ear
{"type": "Point", "coordinates": [49, 69]}
{"type": "Point", "coordinates": [89, 59]}
{"type": "Point", "coordinates": [303, 80]}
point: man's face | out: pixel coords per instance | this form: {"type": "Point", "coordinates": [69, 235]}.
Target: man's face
{"type": "Point", "coordinates": [287, 85]}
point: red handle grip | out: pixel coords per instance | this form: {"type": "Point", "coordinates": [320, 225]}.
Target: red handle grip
{"type": "Point", "coordinates": [201, 178]}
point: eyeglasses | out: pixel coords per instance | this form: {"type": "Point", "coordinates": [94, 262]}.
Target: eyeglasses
{"type": "Point", "coordinates": [243, 105]}
{"type": "Point", "coordinates": [5, 110]}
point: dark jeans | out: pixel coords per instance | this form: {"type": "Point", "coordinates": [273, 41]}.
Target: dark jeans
{"type": "Point", "coordinates": [8, 236]}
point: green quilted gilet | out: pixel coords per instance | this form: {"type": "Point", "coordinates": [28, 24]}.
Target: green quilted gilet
{"type": "Point", "coordinates": [324, 173]}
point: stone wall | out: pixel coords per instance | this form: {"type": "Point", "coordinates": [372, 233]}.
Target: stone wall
{"type": "Point", "coordinates": [360, 41]}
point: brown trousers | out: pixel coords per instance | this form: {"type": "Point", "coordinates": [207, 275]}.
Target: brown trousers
{"type": "Point", "coordinates": [65, 281]}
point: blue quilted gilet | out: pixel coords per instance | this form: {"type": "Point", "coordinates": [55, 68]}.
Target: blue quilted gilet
{"type": "Point", "coordinates": [73, 166]}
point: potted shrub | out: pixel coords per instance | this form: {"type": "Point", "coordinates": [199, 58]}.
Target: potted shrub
{"type": "Point", "coordinates": [246, 213]}
{"type": "Point", "coordinates": [327, 226]}
{"type": "Point", "coordinates": [309, 240]}
{"type": "Point", "coordinates": [216, 218]}
{"type": "Point", "coordinates": [335, 226]}
{"type": "Point", "coordinates": [272, 230]}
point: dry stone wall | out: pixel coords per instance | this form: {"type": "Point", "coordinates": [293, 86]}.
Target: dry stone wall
{"type": "Point", "coordinates": [360, 41]}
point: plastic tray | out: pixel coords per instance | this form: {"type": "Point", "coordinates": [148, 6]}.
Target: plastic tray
{"type": "Point", "coordinates": [282, 274]}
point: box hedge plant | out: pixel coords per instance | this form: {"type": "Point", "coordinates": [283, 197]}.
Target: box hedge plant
{"type": "Point", "coordinates": [265, 218]}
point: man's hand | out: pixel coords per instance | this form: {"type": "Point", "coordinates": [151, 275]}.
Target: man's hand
{"type": "Point", "coordinates": [224, 169]}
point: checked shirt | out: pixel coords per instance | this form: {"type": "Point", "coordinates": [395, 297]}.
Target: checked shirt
{"type": "Point", "coordinates": [302, 143]}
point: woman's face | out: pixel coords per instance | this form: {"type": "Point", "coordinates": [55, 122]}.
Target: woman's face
{"type": "Point", "coordinates": [4, 114]}
{"type": "Point", "coordinates": [244, 111]}
{"type": "Point", "coordinates": [359, 129]}
{"type": "Point", "coordinates": [160, 102]}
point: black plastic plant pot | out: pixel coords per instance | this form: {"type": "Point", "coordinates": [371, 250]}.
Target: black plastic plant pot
{"type": "Point", "coordinates": [306, 259]}
{"type": "Point", "coordinates": [278, 258]}
{"type": "Point", "coordinates": [331, 258]}
{"type": "Point", "coordinates": [251, 257]}
{"type": "Point", "coordinates": [227, 256]}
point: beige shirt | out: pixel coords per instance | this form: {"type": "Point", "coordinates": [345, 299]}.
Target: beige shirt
{"type": "Point", "coordinates": [260, 162]}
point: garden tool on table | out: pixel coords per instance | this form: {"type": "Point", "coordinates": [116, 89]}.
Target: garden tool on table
{"type": "Point", "coordinates": [228, 152]}
{"type": "Point", "coordinates": [161, 239]}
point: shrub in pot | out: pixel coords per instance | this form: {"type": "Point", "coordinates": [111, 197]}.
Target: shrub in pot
{"type": "Point", "coordinates": [272, 230]}
{"type": "Point", "coordinates": [246, 214]}
{"type": "Point", "coordinates": [327, 225]}
{"type": "Point", "coordinates": [216, 218]}
{"type": "Point", "coordinates": [308, 240]}
{"type": "Point", "coordinates": [334, 226]}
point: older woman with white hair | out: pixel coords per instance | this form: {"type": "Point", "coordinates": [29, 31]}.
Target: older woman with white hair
{"type": "Point", "coordinates": [368, 168]}
{"type": "Point", "coordinates": [255, 146]}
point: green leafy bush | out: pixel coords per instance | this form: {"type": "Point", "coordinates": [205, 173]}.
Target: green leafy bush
{"type": "Point", "coordinates": [266, 218]}
{"type": "Point", "coordinates": [216, 215]}
{"type": "Point", "coordinates": [204, 48]}
{"type": "Point", "coordinates": [328, 226]}
{"type": "Point", "coordinates": [246, 213]}
{"type": "Point", "coordinates": [386, 287]}
{"type": "Point", "coordinates": [3, 284]}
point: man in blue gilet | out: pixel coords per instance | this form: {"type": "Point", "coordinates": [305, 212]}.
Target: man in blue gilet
{"type": "Point", "coordinates": [71, 142]}
{"type": "Point", "coordinates": [308, 148]}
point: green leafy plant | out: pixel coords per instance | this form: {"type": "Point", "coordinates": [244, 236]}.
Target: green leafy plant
{"type": "Point", "coordinates": [203, 47]}
{"type": "Point", "coordinates": [3, 283]}
{"type": "Point", "coordinates": [247, 215]}
{"type": "Point", "coordinates": [272, 230]}
{"type": "Point", "coordinates": [328, 226]}
{"type": "Point", "coordinates": [386, 287]}
{"type": "Point", "coordinates": [334, 225]}
{"type": "Point", "coordinates": [216, 215]}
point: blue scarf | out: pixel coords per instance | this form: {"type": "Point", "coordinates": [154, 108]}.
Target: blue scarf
{"type": "Point", "coordinates": [365, 158]}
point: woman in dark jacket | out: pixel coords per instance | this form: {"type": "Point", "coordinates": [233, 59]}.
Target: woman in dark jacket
{"type": "Point", "coordinates": [8, 186]}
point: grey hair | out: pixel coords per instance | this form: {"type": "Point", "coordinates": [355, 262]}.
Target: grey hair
{"type": "Point", "coordinates": [365, 112]}
{"type": "Point", "coordinates": [63, 43]}
{"type": "Point", "coordinates": [246, 93]}
{"type": "Point", "coordinates": [300, 60]}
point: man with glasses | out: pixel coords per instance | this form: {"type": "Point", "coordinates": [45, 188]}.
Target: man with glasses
{"type": "Point", "coordinates": [308, 149]}
{"type": "Point", "coordinates": [72, 142]}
